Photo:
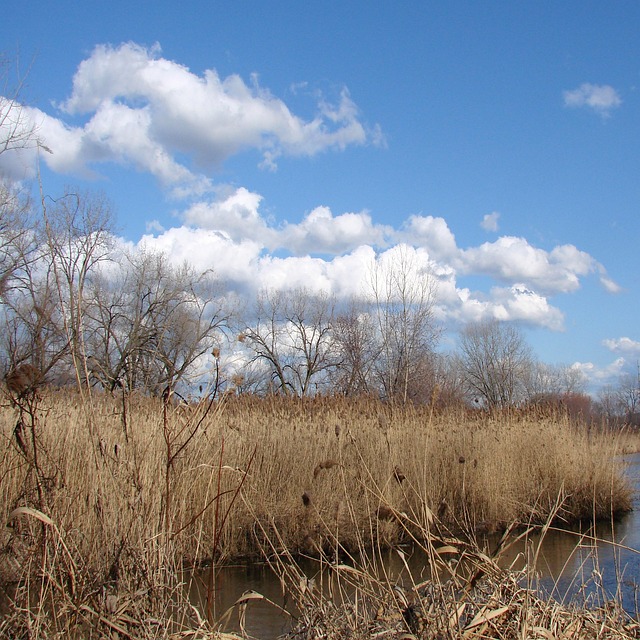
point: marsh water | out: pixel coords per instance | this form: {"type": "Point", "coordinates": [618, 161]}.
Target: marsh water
{"type": "Point", "coordinates": [582, 564]}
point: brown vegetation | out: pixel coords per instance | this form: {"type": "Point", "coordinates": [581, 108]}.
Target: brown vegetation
{"type": "Point", "coordinates": [466, 596]}
{"type": "Point", "coordinates": [23, 380]}
{"type": "Point", "coordinates": [226, 479]}
{"type": "Point", "coordinates": [487, 468]}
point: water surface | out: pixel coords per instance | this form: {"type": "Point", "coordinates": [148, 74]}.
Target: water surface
{"type": "Point", "coordinates": [581, 565]}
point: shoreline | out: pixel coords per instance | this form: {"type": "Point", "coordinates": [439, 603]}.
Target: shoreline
{"type": "Point", "coordinates": [116, 507]}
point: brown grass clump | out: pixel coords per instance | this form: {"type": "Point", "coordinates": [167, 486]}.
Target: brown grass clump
{"type": "Point", "coordinates": [470, 597]}
{"type": "Point", "coordinates": [111, 492]}
{"type": "Point", "coordinates": [117, 505]}
{"type": "Point", "coordinates": [24, 379]}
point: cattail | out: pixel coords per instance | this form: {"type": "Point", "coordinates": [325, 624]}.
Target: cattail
{"type": "Point", "coordinates": [18, 434]}
{"type": "Point", "coordinates": [327, 464]}
{"type": "Point", "coordinates": [385, 513]}
{"type": "Point", "coordinates": [462, 460]}
{"type": "Point", "coordinates": [306, 499]}
{"type": "Point", "coordinates": [337, 430]}
{"type": "Point", "coordinates": [237, 379]}
{"type": "Point", "coordinates": [399, 475]}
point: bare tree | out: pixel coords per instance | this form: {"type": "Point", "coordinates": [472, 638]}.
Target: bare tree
{"type": "Point", "coordinates": [449, 387]}
{"type": "Point", "coordinates": [309, 326]}
{"type": "Point", "coordinates": [627, 395]}
{"type": "Point", "coordinates": [17, 240]}
{"type": "Point", "coordinates": [265, 337]}
{"type": "Point", "coordinates": [17, 131]}
{"type": "Point", "coordinates": [495, 362]}
{"type": "Point", "coordinates": [79, 237]}
{"type": "Point", "coordinates": [354, 334]}
{"type": "Point", "coordinates": [404, 296]}
{"type": "Point", "coordinates": [549, 381]}
{"type": "Point", "coordinates": [33, 327]}
{"type": "Point", "coordinates": [609, 406]}
{"type": "Point", "coordinates": [292, 335]}
{"type": "Point", "coordinates": [151, 322]}
{"type": "Point", "coordinates": [32, 320]}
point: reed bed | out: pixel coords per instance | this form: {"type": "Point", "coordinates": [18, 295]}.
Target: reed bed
{"type": "Point", "coordinates": [468, 595]}
{"type": "Point", "coordinates": [118, 497]}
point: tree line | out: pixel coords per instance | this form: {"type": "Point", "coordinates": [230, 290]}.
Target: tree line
{"type": "Point", "coordinates": [78, 306]}
{"type": "Point", "coordinates": [81, 307]}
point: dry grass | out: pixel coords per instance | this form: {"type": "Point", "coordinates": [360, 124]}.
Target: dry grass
{"type": "Point", "coordinates": [470, 597]}
{"type": "Point", "coordinates": [112, 516]}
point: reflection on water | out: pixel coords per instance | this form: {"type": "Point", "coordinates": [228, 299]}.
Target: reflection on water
{"type": "Point", "coordinates": [568, 566]}
{"type": "Point", "coordinates": [611, 564]}
{"type": "Point", "coordinates": [263, 620]}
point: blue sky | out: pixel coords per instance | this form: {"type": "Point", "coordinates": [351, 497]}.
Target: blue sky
{"type": "Point", "coordinates": [287, 142]}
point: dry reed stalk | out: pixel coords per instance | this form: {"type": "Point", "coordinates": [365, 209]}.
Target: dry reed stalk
{"type": "Point", "coordinates": [466, 599]}
{"type": "Point", "coordinates": [110, 511]}
{"type": "Point", "coordinates": [289, 438]}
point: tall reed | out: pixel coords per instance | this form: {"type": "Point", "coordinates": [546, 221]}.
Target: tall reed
{"type": "Point", "coordinates": [193, 483]}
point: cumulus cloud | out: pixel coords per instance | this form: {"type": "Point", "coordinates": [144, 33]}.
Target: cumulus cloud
{"type": "Point", "coordinates": [513, 259]}
{"type": "Point", "coordinates": [236, 263]}
{"type": "Point", "coordinates": [236, 214]}
{"type": "Point", "coordinates": [490, 221]}
{"type": "Point", "coordinates": [623, 345]}
{"type": "Point", "coordinates": [518, 302]}
{"type": "Point", "coordinates": [431, 233]}
{"type": "Point", "coordinates": [602, 375]}
{"type": "Point", "coordinates": [515, 303]}
{"type": "Point", "coordinates": [115, 133]}
{"type": "Point", "coordinates": [336, 253]}
{"type": "Point", "coordinates": [144, 110]}
{"type": "Point", "coordinates": [600, 98]}
{"type": "Point", "coordinates": [322, 232]}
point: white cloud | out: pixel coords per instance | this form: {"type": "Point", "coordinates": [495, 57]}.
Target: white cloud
{"type": "Point", "coordinates": [293, 272]}
{"type": "Point", "coordinates": [144, 110]}
{"type": "Point", "coordinates": [601, 98]}
{"type": "Point", "coordinates": [234, 262]}
{"type": "Point", "coordinates": [336, 252]}
{"type": "Point", "coordinates": [321, 232]}
{"type": "Point", "coordinates": [513, 259]}
{"type": "Point", "coordinates": [154, 226]}
{"type": "Point", "coordinates": [521, 303]}
{"type": "Point", "coordinates": [515, 303]}
{"type": "Point", "coordinates": [599, 376]}
{"type": "Point", "coordinates": [623, 345]}
{"type": "Point", "coordinates": [17, 165]}
{"type": "Point", "coordinates": [431, 233]}
{"type": "Point", "coordinates": [349, 272]}
{"type": "Point", "coordinates": [234, 214]}
{"type": "Point", "coordinates": [490, 221]}
{"type": "Point", "coordinates": [610, 285]}
{"type": "Point", "coordinates": [131, 106]}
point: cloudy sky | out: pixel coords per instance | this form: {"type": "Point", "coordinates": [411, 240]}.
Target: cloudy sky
{"type": "Point", "coordinates": [291, 143]}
